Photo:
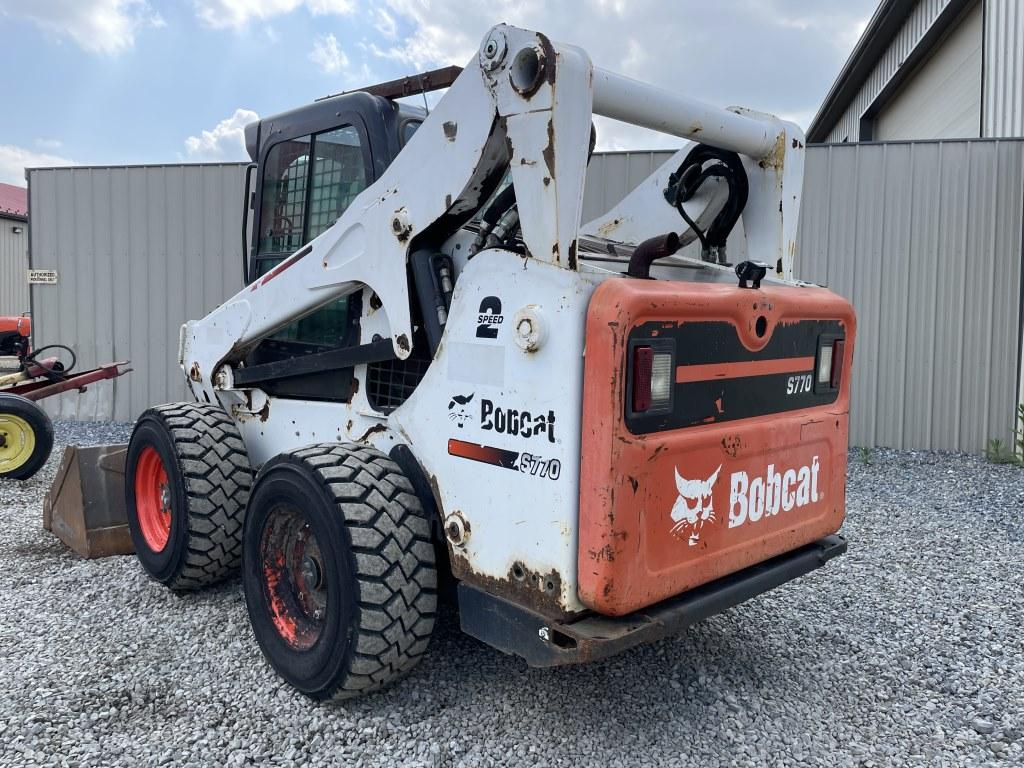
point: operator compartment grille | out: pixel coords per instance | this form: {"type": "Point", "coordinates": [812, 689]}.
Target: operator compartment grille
{"type": "Point", "coordinates": [392, 382]}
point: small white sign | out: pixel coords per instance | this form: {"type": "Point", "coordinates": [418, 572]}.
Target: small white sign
{"type": "Point", "coordinates": [42, 277]}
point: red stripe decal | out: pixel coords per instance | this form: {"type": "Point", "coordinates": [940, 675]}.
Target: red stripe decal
{"type": "Point", "coordinates": [740, 370]}
{"type": "Point", "coordinates": [281, 267]}
{"type": "Point", "coordinates": [499, 457]}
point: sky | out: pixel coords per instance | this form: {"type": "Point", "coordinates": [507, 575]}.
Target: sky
{"type": "Point", "coordinates": [97, 82]}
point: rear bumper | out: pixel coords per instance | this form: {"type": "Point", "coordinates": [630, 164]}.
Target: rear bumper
{"type": "Point", "coordinates": [543, 643]}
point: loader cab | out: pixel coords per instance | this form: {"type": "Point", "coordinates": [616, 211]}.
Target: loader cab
{"type": "Point", "coordinates": [308, 165]}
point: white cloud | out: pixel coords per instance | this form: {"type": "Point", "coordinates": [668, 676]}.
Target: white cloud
{"type": "Point", "coordinates": [777, 56]}
{"type": "Point", "coordinates": [327, 55]}
{"type": "Point", "coordinates": [385, 23]}
{"type": "Point", "coordinates": [97, 26]}
{"type": "Point", "coordinates": [235, 14]}
{"type": "Point", "coordinates": [14, 160]}
{"type": "Point", "coordinates": [49, 144]}
{"type": "Point", "coordinates": [226, 142]}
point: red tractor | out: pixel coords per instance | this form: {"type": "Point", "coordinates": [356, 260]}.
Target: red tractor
{"type": "Point", "coordinates": [26, 433]}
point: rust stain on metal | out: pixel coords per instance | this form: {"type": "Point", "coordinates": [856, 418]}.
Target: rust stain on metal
{"type": "Point", "coordinates": [264, 413]}
{"type": "Point", "coordinates": [731, 444]}
{"type": "Point", "coordinates": [194, 374]}
{"type": "Point", "coordinates": [549, 150]}
{"type": "Point", "coordinates": [777, 157]}
{"type": "Point", "coordinates": [607, 229]}
{"type": "Point", "coordinates": [533, 589]}
{"type": "Point", "coordinates": [375, 429]}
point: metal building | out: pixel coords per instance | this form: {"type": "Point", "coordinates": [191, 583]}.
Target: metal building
{"type": "Point", "coordinates": [930, 69]}
{"type": "Point", "coordinates": [927, 240]}
{"type": "Point", "coordinates": [14, 293]}
{"type": "Point", "coordinates": [137, 251]}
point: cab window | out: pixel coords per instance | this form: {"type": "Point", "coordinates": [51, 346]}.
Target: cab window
{"type": "Point", "coordinates": [308, 183]}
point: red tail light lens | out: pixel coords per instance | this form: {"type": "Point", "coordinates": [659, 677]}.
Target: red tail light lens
{"type": "Point", "coordinates": [836, 375]}
{"type": "Point", "coordinates": [643, 362]}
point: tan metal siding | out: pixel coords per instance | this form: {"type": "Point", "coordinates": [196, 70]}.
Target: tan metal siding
{"type": "Point", "coordinates": [942, 98]}
{"type": "Point", "coordinates": [1004, 68]}
{"type": "Point", "coordinates": [14, 298]}
{"type": "Point", "coordinates": [925, 239]}
{"type": "Point", "coordinates": [613, 175]}
{"type": "Point", "coordinates": [847, 128]}
{"type": "Point", "coordinates": [139, 250]}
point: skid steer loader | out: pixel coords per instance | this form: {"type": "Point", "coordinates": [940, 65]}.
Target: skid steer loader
{"type": "Point", "coordinates": [432, 377]}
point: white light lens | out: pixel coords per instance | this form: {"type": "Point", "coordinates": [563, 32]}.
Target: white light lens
{"type": "Point", "coordinates": [825, 365]}
{"type": "Point", "coordinates": [661, 379]}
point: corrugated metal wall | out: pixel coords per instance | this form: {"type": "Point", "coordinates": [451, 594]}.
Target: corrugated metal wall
{"type": "Point", "coordinates": [612, 175]}
{"type": "Point", "coordinates": [925, 239]}
{"type": "Point", "coordinates": [14, 298]}
{"type": "Point", "coordinates": [1004, 68]}
{"type": "Point", "coordinates": [138, 250]}
{"type": "Point", "coordinates": [917, 24]}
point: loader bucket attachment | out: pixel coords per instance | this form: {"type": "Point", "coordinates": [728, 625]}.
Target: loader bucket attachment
{"type": "Point", "coordinates": [85, 506]}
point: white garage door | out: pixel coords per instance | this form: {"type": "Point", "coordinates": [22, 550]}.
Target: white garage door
{"type": "Point", "coordinates": [942, 99]}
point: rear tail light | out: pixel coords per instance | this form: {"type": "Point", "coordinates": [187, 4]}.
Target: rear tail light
{"type": "Point", "coordinates": [836, 375]}
{"type": "Point", "coordinates": [652, 379]}
{"type": "Point", "coordinates": [830, 364]}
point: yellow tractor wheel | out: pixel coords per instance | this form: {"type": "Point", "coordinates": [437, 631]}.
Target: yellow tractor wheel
{"type": "Point", "coordinates": [26, 437]}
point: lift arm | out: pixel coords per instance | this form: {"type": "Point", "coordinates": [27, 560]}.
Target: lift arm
{"type": "Point", "coordinates": [527, 102]}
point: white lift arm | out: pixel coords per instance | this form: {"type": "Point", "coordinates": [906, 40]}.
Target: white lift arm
{"type": "Point", "coordinates": [526, 97]}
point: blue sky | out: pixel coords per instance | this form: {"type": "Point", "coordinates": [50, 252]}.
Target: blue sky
{"type": "Point", "coordinates": [145, 81]}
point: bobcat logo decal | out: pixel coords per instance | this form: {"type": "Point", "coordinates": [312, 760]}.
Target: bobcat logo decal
{"type": "Point", "coordinates": [458, 409]}
{"type": "Point", "coordinates": [694, 507]}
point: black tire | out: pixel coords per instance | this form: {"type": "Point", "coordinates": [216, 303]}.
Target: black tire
{"type": "Point", "coordinates": [19, 466]}
{"type": "Point", "coordinates": [208, 482]}
{"type": "Point", "coordinates": [375, 582]}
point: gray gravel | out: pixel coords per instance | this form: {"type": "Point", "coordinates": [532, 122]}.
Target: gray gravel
{"type": "Point", "coordinates": [907, 651]}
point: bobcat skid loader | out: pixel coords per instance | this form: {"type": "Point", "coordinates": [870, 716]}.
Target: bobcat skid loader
{"type": "Point", "coordinates": [431, 378]}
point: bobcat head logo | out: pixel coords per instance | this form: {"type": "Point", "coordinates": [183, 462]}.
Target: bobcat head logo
{"type": "Point", "coordinates": [458, 409]}
{"type": "Point", "coordinates": [694, 507]}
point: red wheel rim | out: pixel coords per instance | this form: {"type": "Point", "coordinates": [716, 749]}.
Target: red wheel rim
{"type": "Point", "coordinates": [153, 499]}
{"type": "Point", "coordinates": [294, 577]}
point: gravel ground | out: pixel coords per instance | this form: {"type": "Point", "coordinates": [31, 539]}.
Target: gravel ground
{"type": "Point", "coordinates": [907, 651]}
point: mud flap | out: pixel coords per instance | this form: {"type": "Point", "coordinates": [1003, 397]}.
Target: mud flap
{"type": "Point", "coordinates": [85, 505]}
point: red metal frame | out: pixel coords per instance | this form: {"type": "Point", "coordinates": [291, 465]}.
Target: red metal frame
{"type": "Point", "coordinates": [39, 389]}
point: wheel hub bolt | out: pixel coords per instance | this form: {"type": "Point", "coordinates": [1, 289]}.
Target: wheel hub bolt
{"type": "Point", "coordinates": [311, 573]}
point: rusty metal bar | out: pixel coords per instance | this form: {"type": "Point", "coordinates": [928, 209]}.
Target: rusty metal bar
{"type": "Point", "coordinates": [412, 85]}
{"type": "Point", "coordinates": [37, 390]}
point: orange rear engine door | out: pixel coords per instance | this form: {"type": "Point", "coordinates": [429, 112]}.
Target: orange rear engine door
{"type": "Point", "coordinates": [747, 458]}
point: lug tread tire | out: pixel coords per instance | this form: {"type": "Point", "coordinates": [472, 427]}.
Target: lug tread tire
{"type": "Point", "coordinates": [393, 555]}
{"type": "Point", "coordinates": [218, 478]}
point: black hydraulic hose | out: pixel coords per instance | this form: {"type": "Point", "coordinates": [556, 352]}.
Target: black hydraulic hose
{"type": "Point", "coordinates": [692, 173]}
{"type": "Point", "coordinates": [504, 200]}
{"type": "Point", "coordinates": [58, 369]}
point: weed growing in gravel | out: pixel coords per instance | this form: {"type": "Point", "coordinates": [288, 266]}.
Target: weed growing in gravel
{"type": "Point", "coordinates": [867, 457]}
{"type": "Point", "coordinates": [998, 453]}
